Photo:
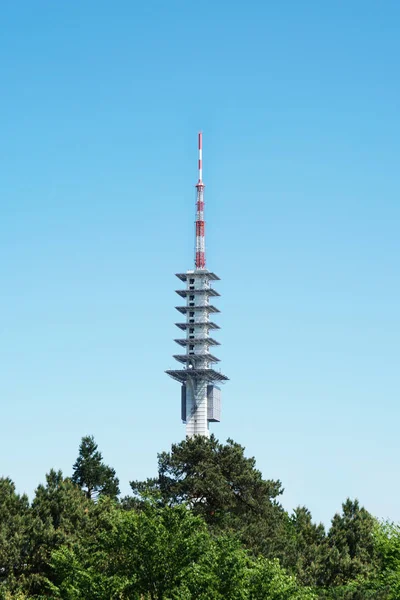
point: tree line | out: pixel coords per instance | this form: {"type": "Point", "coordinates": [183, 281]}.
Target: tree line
{"type": "Point", "coordinates": [208, 527]}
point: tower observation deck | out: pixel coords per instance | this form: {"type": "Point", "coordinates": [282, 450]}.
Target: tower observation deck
{"type": "Point", "coordinates": [199, 379]}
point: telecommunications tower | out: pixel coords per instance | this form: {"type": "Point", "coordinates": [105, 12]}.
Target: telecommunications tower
{"type": "Point", "coordinates": [200, 396]}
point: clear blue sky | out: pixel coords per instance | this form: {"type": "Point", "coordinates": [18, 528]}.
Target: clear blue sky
{"type": "Point", "coordinates": [100, 106]}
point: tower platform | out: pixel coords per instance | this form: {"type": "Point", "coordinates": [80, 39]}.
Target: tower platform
{"type": "Point", "coordinates": [209, 375]}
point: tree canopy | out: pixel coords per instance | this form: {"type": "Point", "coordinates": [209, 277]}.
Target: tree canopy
{"type": "Point", "coordinates": [219, 483]}
{"type": "Point", "coordinates": [207, 527]}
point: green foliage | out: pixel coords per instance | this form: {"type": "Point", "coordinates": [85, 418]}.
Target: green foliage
{"type": "Point", "coordinates": [166, 553]}
{"type": "Point", "coordinates": [350, 551]}
{"type": "Point", "coordinates": [132, 553]}
{"type": "Point", "coordinates": [7, 595]}
{"type": "Point", "coordinates": [350, 557]}
{"type": "Point", "coordinates": [14, 539]}
{"type": "Point", "coordinates": [212, 478]}
{"type": "Point", "coordinates": [387, 545]}
{"type": "Point", "coordinates": [91, 474]}
{"type": "Point", "coordinates": [209, 527]}
{"type": "Point", "coordinates": [268, 580]}
{"type": "Point", "coordinates": [59, 515]}
{"type": "Point", "coordinates": [304, 550]}
{"type": "Point", "coordinates": [221, 485]}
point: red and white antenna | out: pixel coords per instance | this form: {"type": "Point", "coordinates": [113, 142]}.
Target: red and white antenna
{"type": "Point", "coordinates": [200, 257]}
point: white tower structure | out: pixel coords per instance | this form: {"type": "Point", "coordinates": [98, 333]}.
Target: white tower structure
{"type": "Point", "coordinates": [200, 396]}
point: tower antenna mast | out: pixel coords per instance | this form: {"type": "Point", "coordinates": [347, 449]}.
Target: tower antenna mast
{"type": "Point", "coordinates": [200, 256]}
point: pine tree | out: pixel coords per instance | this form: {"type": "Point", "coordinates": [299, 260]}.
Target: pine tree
{"type": "Point", "coordinates": [91, 474]}
{"type": "Point", "coordinates": [304, 554]}
{"type": "Point", "coordinates": [59, 515]}
{"type": "Point", "coordinates": [14, 525]}
{"type": "Point", "coordinates": [219, 483]}
{"type": "Point", "coordinates": [350, 551]}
